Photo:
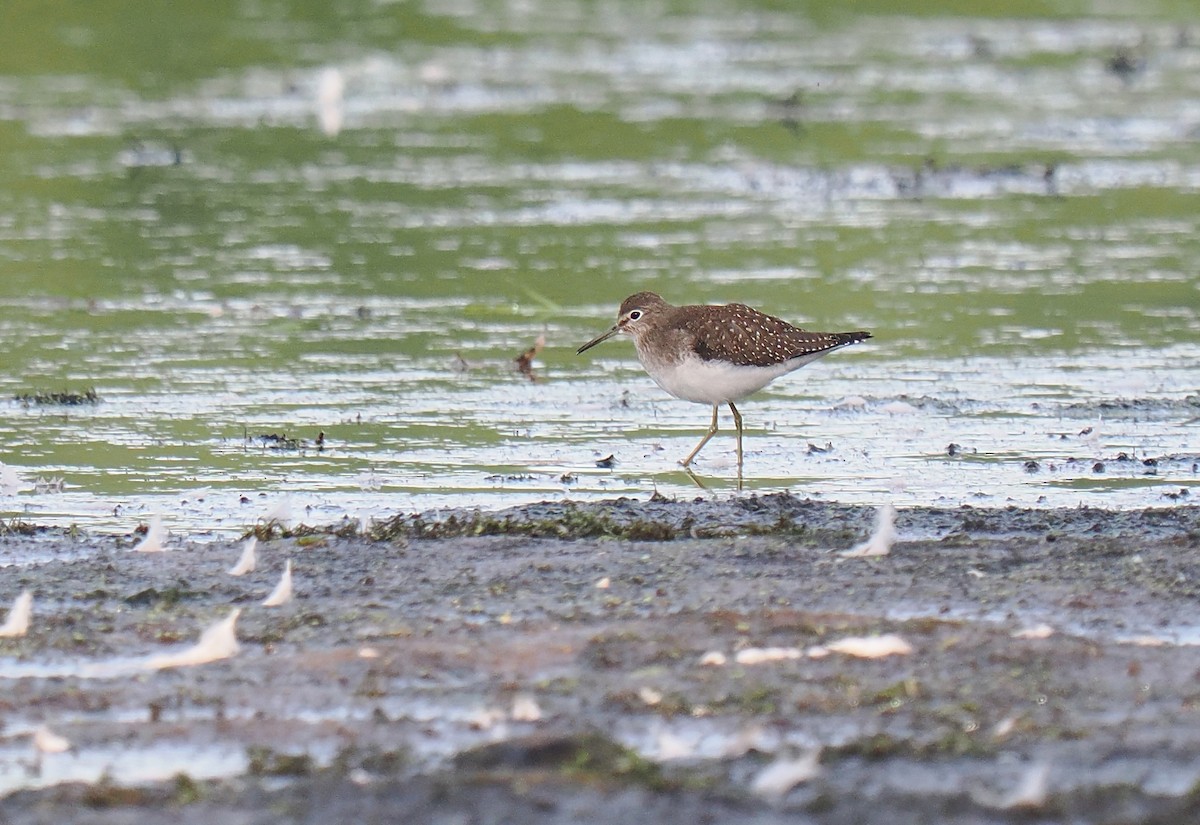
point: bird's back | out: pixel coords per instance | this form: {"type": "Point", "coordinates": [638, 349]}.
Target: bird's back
{"type": "Point", "coordinates": [745, 337]}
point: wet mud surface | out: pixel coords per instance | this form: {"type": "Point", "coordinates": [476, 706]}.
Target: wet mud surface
{"type": "Point", "coordinates": [622, 661]}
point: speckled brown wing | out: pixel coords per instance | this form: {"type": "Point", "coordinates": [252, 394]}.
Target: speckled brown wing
{"type": "Point", "coordinates": [746, 337]}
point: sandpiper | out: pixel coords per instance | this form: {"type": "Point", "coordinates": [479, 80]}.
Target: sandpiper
{"type": "Point", "coordinates": [717, 354]}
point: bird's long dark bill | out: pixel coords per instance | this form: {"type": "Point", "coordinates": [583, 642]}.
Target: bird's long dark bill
{"type": "Point", "coordinates": [598, 340]}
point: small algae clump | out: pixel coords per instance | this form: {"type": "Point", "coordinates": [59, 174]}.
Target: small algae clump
{"type": "Point", "coordinates": [587, 757]}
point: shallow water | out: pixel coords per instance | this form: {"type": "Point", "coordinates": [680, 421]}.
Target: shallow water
{"type": "Point", "coordinates": [351, 224]}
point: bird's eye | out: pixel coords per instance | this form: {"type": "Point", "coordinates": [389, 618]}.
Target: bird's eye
{"type": "Point", "coordinates": [633, 316]}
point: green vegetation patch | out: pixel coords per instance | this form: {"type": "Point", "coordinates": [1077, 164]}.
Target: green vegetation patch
{"type": "Point", "coordinates": [571, 523]}
{"type": "Point", "coordinates": [267, 762]}
{"type": "Point", "coordinates": [587, 757]}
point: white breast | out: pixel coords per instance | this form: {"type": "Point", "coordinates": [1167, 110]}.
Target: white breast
{"type": "Point", "coordinates": [713, 382]}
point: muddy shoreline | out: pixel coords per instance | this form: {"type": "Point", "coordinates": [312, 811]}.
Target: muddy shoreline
{"type": "Point", "coordinates": [544, 664]}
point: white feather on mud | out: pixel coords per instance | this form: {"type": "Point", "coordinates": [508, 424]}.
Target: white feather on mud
{"type": "Point", "coordinates": [525, 709]}
{"type": "Point", "coordinates": [218, 641]}
{"type": "Point", "coordinates": [47, 741]}
{"type": "Point", "coordinates": [282, 594]}
{"type": "Point", "coordinates": [486, 718]}
{"type": "Point", "coordinates": [1028, 794]}
{"type": "Point", "coordinates": [759, 655]}
{"type": "Point", "coordinates": [649, 695]}
{"type": "Point", "coordinates": [1038, 631]}
{"type": "Point", "coordinates": [156, 534]}
{"type": "Point", "coordinates": [280, 514]}
{"type": "Point", "coordinates": [777, 779]}
{"type": "Point", "coordinates": [669, 745]}
{"type": "Point", "coordinates": [248, 560]}
{"type": "Point", "coordinates": [881, 540]}
{"type": "Point", "coordinates": [864, 647]}
{"type": "Point", "coordinates": [1004, 727]}
{"type": "Point", "coordinates": [17, 621]}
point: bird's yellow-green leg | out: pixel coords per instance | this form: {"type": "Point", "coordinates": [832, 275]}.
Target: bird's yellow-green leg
{"type": "Point", "coordinates": [712, 430]}
{"type": "Point", "coordinates": [737, 422]}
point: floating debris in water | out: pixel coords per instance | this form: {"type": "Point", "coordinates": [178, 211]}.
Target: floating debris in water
{"type": "Point", "coordinates": [17, 622]}
{"type": "Point", "coordinates": [139, 155]}
{"type": "Point", "coordinates": [880, 542]}
{"type": "Point", "coordinates": [775, 780]}
{"type": "Point", "coordinates": [524, 361]}
{"type": "Point", "coordinates": [1125, 62]}
{"type": "Point", "coordinates": [865, 647]}
{"type": "Point", "coordinates": [607, 463]}
{"type": "Point", "coordinates": [282, 594]}
{"type": "Point", "coordinates": [525, 709]}
{"type": "Point", "coordinates": [218, 641]}
{"type": "Point", "coordinates": [604, 583]}
{"type": "Point", "coordinates": [67, 399]}
{"type": "Point", "coordinates": [1004, 727]}
{"type": "Point", "coordinates": [330, 89]}
{"type": "Point", "coordinates": [249, 559]}
{"type": "Point", "coordinates": [54, 484]}
{"type": "Point", "coordinates": [47, 741]}
{"type": "Point", "coordinates": [156, 534]}
{"type": "Point", "coordinates": [279, 441]}
{"type": "Point", "coordinates": [790, 112]}
{"type": "Point", "coordinates": [713, 658]}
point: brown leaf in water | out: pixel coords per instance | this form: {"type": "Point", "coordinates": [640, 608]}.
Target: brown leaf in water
{"type": "Point", "coordinates": [524, 361]}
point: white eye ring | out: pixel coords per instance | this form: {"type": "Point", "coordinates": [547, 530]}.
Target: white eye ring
{"type": "Point", "coordinates": [633, 316]}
